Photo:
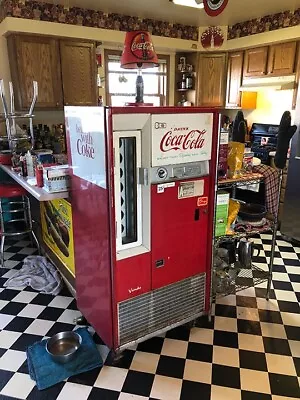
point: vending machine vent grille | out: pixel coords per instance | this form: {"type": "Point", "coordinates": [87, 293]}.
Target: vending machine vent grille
{"type": "Point", "coordinates": [161, 308]}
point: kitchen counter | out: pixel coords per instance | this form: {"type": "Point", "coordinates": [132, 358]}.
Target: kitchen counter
{"type": "Point", "coordinates": [39, 193]}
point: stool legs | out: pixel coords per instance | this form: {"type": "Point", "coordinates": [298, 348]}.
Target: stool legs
{"type": "Point", "coordinates": [2, 235]}
{"type": "Point", "coordinates": [34, 240]}
{"type": "Point", "coordinates": [25, 209]}
{"type": "Point", "coordinates": [2, 251]}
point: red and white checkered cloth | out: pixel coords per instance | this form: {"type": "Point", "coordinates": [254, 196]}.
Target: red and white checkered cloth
{"type": "Point", "coordinates": [271, 179]}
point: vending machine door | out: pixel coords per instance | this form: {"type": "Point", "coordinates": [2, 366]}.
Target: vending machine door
{"type": "Point", "coordinates": [179, 214]}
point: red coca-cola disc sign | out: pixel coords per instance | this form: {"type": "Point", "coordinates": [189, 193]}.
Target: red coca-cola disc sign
{"type": "Point", "coordinates": [214, 7]}
{"type": "Point", "coordinates": [142, 47]}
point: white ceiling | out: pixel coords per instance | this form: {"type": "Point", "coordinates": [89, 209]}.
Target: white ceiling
{"type": "Point", "coordinates": [236, 11]}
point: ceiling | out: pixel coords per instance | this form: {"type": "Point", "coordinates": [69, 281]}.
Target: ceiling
{"type": "Point", "coordinates": [236, 11]}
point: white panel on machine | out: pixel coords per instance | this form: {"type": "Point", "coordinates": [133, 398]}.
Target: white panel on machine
{"type": "Point", "coordinates": [181, 138]}
{"type": "Point", "coordinates": [128, 201]}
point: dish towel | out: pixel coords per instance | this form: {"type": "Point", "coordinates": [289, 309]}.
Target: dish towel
{"type": "Point", "coordinates": [38, 273]}
{"type": "Point", "coordinates": [47, 372]}
{"type": "Point", "coordinates": [271, 178]}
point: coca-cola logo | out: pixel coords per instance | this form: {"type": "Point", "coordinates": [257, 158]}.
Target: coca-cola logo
{"type": "Point", "coordinates": [85, 144]}
{"type": "Point", "coordinates": [193, 140]}
{"type": "Point", "coordinates": [142, 47]}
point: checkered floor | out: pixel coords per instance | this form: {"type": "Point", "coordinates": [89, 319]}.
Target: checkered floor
{"type": "Point", "coordinates": [250, 350]}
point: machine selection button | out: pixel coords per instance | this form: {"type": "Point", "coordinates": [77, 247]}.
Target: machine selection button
{"type": "Point", "coordinates": [178, 172]}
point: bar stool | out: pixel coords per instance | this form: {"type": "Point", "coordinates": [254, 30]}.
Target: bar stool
{"type": "Point", "coordinates": [12, 191]}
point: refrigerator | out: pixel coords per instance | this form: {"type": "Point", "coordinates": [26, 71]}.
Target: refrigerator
{"type": "Point", "coordinates": [143, 191]}
{"type": "Point", "coordinates": [290, 223]}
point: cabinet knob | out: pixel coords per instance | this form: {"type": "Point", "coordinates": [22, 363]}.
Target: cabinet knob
{"type": "Point", "coordinates": [57, 104]}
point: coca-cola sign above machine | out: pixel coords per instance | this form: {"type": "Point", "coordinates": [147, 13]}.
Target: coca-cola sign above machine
{"type": "Point", "coordinates": [181, 138]}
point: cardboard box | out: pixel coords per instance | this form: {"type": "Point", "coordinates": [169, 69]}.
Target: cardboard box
{"type": "Point", "coordinates": [222, 207]}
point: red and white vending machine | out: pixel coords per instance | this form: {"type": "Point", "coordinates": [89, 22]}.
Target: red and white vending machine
{"type": "Point", "coordinates": [143, 190]}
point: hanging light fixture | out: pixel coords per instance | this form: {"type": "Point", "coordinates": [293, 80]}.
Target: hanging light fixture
{"type": "Point", "coordinates": [138, 53]}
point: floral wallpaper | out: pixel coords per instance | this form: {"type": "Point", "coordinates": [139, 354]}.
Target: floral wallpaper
{"type": "Point", "coordinates": [80, 16]}
{"type": "Point", "coordinates": [273, 22]}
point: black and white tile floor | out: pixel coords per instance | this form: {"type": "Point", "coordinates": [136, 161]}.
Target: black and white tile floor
{"type": "Point", "coordinates": [250, 350]}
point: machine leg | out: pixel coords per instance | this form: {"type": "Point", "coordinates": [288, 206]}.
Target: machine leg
{"type": "Point", "coordinates": [115, 357]}
{"type": "Point", "coordinates": [81, 321]}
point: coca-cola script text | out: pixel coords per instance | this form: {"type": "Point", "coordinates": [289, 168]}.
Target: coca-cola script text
{"type": "Point", "coordinates": [85, 144]}
{"type": "Point", "coordinates": [195, 139]}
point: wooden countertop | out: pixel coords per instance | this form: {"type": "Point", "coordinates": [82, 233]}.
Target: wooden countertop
{"type": "Point", "coordinates": [39, 193]}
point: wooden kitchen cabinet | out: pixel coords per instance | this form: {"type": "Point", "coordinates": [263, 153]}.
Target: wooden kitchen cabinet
{"type": "Point", "coordinates": [211, 80]}
{"type": "Point", "coordinates": [282, 59]}
{"type": "Point", "coordinates": [79, 77]}
{"type": "Point", "coordinates": [234, 79]}
{"type": "Point", "coordinates": [35, 58]}
{"type": "Point", "coordinates": [255, 63]}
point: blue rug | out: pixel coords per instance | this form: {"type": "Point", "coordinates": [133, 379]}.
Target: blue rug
{"type": "Point", "coordinates": [47, 372]}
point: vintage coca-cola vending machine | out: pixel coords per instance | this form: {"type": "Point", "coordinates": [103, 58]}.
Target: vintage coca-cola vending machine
{"type": "Point", "coordinates": [143, 191]}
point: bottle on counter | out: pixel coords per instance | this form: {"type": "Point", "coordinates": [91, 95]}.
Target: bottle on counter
{"type": "Point", "coordinates": [29, 164]}
{"type": "Point", "coordinates": [23, 165]}
{"type": "Point", "coordinates": [183, 82]}
{"type": "Point", "coordinates": [182, 101]}
{"type": "Point", "coordinates": [189, 81]}
{"type": "Point", "coordinates": [39, 175]}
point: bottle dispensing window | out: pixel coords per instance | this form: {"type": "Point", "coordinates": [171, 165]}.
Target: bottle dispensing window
{"type": "Point", "coordinates": [127, 154]}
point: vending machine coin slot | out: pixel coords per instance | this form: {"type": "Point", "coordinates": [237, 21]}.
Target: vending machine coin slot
{"type": "Point", "coordinates": [197, 214]}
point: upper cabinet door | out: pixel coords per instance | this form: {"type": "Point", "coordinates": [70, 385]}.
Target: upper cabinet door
{"type": "Point", "coordinates": [78, 63]}
{"type": "Point", "coordinates": [211, 80]}
{"type": "Point", "coordinates": [234, 79]}
{"type": "Point", "coordinates": [256, 62]}
{"type": "Point", "coordinates": [282, 59]}
{"type": "Point", "coordinates": [35, 58]}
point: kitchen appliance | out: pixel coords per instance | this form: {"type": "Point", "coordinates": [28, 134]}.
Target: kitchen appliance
{"type": "Point", "coordinates": [252, 212]}
{"type": "Point", "coordinates": [264, 140]}
{"type": "Point", "coordinates": [245, 252]}
{"type": "Point", "coordinates": [290, 223]}
{"type": "Point", "coordinates": [230, 246]}
{"type": "Point", "coordinates": [143, 187]}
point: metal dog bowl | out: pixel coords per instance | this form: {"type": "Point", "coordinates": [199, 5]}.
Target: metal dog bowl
{"type": "Point", "coordinates": [63, 346]}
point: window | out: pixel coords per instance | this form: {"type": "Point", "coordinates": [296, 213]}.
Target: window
{"type": "Point", "coordinates": [120, 83]}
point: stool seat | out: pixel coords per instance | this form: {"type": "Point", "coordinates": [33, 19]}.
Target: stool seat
{"type": "Point", "coordinates": [12, 190]}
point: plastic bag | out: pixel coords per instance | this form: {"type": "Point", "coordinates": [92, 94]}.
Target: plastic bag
{"type": "Point", "coordinates": [234, 208]}
{"type": "Point", "coordinates": [235, 159]}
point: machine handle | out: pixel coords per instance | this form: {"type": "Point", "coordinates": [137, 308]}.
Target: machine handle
{"type": "Point", "coordinates": [143, 176]}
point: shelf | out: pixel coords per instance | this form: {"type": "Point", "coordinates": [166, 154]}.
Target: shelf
{"type": "Point", "coordinates": [244, 180]}
{"type": "Point", "coordinates": [246, 278]}
{"type": "Point", "coordinates": [183, 90]}
{"type": "Point", "coordinates": [252, 232]}
{"type": "Point", "coordinates": [39, 193]}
